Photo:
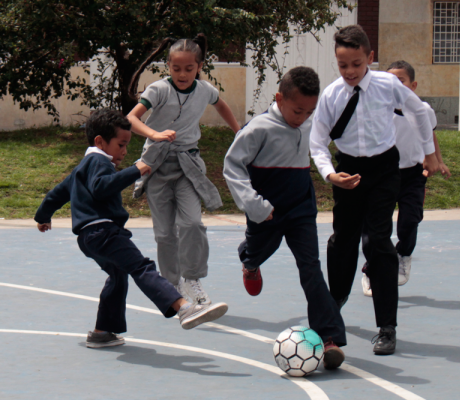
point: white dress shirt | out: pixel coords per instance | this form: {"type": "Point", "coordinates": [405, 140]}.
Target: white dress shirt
{"type": "Point", "coordinates": [371, 130]}
{"type": "Point", "coordinates": [410, 151]}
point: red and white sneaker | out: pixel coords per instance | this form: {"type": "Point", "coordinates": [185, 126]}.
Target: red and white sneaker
{"type": "Point", "coordinates": [333, 355]}
{"type": "Point", "coordinates": [252, 281]}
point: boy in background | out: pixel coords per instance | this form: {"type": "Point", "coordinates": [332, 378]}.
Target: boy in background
{"type": "Point", "coordinates": [356, 111]}
{"type": "Point", "coordinates": [413, 180]}
{"type": "Point", "coordinates": [267, 169]}
{"type": "Point", "coordinates": [98, 218]}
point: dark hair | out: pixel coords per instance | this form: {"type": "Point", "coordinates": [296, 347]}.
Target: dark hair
{"type": "Point", "coordinates": [352, 36]}
{"type": "Point", "coordinates": [197, 46]}
{"type": "Point", "coordinates": [304, 79]}
{"type": "Point", "coordinates": [401, 64]}
{"type": "Point", "coordinates": [104, 123]}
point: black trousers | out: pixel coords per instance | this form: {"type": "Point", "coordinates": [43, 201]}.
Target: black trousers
{"type": "Point", "coordinates": [372, 203]}
{"type": "Point", "coordinates": [410, 203]}
{"type": "Point", "coordinates": [262, 240]}
{"type": "Point", "coordinates": [110, 246]}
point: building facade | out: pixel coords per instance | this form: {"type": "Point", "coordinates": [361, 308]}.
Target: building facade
{"type": "Point", "coordinates": [425, 33]}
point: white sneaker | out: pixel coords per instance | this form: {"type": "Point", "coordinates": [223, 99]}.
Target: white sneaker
{"type": "Point", "coordinates": [180, 288]}
{"type": "Point", "coordinates": [404, 269]}
{"type": "Point", "coordinates": [365, 281]}
{"type": "Point", "coordinates": [195, 291]}
{"type": "Point", "coordinates": [191, 315]}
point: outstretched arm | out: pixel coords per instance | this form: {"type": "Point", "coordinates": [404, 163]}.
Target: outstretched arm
{"type": "Point", "coordinates": [104, 182]}
{"type": "Point", "coordinates": [141, 129]}
{"type": "Point", "coordinates": [52, 202]}
{"type": "Point", "coordinates": [226, 113]}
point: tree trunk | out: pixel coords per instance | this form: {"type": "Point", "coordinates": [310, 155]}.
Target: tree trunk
{"type": "Point", "coordinates": [126, 70]}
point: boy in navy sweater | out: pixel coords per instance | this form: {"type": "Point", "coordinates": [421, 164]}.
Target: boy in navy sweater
{"type": "Point", "coordinates": [267, 169]}
{"type": "Point", "coordinates": [98, 218]}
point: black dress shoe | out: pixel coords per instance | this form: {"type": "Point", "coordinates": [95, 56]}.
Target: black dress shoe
{"type": "Point", "coordinates": [385, 341]}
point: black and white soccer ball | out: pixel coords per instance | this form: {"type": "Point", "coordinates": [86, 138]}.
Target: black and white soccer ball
{"type": "Point", "coordinates": [298, 350]}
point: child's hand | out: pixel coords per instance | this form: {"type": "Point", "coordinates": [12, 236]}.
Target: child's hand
{"type": "Point", "coordinates": [270, 216]}
{"type": "Point", "coordinates": [445, 171]}
{"type": "Point", "coordinates": [143, 167]}
{"type": "Point", "coordinates": [44, 227]}
{"type": "Point", "coordinates": [165, 135]}
{"type": "Point", "coordinates": [344, 180]}
{"type": "Point", "coordinates": [430, 164]}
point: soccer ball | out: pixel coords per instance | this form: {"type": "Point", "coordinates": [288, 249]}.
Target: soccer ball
{"type": "Point", "coordinates": [298, 350]}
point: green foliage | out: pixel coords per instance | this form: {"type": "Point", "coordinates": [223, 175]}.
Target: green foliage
{"type": "Point", "coordinates": [43, 39]}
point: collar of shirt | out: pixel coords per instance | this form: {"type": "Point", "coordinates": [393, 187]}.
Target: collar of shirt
{"type": "Point", "coordinates": [275, 111]}
{"type": "Point", "coordinates": [91, 150]}
{"type": "Point", "coordinates": [364, 84]}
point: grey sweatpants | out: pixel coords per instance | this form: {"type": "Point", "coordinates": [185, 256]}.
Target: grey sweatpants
{"type": "Point", "coordinates": [183, 248]}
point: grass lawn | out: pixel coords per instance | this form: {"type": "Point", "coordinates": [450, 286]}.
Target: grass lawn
{"type": "Point", "coordinates": [33, 161]}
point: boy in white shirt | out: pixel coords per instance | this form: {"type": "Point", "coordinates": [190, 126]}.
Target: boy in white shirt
{"type": "Point", "coordinates": [356, 111]}
{"type": "Point", "coordinates": [412, 192]}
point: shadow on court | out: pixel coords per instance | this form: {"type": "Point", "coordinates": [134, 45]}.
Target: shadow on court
{"type": "Point", "coordinates": [423, 301]}
{"type": "Point", "coordinates": [136, 355]}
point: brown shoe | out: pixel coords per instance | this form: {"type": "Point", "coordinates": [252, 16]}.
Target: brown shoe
{"type": "Point", "coordinates": [333, 355]}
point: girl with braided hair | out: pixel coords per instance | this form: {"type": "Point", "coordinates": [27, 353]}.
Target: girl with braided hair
{"type": "Point", "coordinates": [178, 182]}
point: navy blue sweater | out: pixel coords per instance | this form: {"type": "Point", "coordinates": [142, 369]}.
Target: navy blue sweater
{"type": "Point", "coordinates": [94, 191]}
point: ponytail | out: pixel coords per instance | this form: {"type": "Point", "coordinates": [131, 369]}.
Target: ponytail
{"type": "Point", "coordinates": [132, 90]}
{"type": "Point", "coordinates": [201, 41]}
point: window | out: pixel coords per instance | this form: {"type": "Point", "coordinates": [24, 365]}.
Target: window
{"type": "Point", "coordinates": [446, 32]}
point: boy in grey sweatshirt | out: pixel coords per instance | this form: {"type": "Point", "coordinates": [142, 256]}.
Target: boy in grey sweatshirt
{"type": "Point", "coordinates": [267, 169]}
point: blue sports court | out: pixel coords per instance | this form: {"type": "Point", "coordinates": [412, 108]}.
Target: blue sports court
{"type": "Point", "coordinates": [49, 292]}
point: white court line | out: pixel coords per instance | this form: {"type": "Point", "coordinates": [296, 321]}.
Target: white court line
{"type": "Point", "coordinates": [391, 387]}
{"type": "Point", "coordinates": [313, 391]}
{"type": "Point", "coordinates": [384, 384]}
{"type": "Point", "coordinates": [145, 309]}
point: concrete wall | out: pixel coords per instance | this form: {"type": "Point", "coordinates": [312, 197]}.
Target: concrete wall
{"type": "Point", "coordinates": [406, 32]}
{"type": "Point", "coordinates": [12, 117]}
{"type": "Point", "coordinates": [231, 76]}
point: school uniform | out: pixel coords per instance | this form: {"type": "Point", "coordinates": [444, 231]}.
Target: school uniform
{"type": "Point", "coordinates": [98, 218]}
{"type": "Point", "coordinates": [267, 167]}
{"type": "Point", "coordinates": [367, 147]}
{"type": "Point", "coordinates": [412, 192]}
{"type": "Point", "coordinates": [411, 195]}
{"type": "Point", "coordinates": [178, 181]}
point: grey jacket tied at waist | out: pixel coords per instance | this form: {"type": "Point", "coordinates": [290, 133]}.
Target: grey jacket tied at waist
{"type": "Point", "coordinates": [155, 153]}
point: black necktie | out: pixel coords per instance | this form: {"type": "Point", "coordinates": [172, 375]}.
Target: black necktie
{"type": "Point", "coordinates": [342, 122]}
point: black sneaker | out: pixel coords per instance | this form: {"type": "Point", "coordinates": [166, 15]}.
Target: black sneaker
{"type": "Point", "coordinates": [97, 340]}
{"type": "Point", "coordinates": [385, 341]}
